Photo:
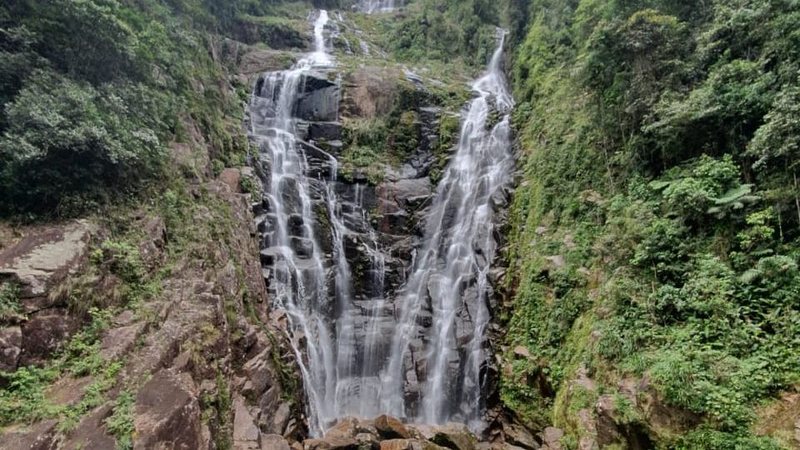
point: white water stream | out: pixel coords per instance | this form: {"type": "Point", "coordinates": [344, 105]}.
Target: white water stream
{"type": "Point", "coordinates": [420, 356]}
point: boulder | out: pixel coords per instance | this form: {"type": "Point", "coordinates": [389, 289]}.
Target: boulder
{"type": "Point", "coordinates": [370, 92]}
{"type": "Point", "coordinates": [345, 428]}
{"type": "Point", "coordinates": [258, 374]}
{"type": "Point", "coordinates": [279, 418]}
{"type": "Point", "coordinates": [67, 391]}
{"type": "Point", "coordinates": [152, 248]}
{"type": "Point", "coordinates": [91, 431]}
{"type": "Point", "coordinates": [232, 178]}
{"type": "Point", "coordinates": [167, 415]}
{"type": "Point", "coordinates": [10, 348]}
{"type": "Point", "coordinates": [519, 436]}
{"type": "Point", "coordinates": [454, 437]}
{"type": "Point", "coordinates": [330, 444]}
{"type": "Point", "coordinates": [119, 341]}
{"type": "Point", "coordinates": [551, 438]}
{"type": "Point", "coordinates": [245, 431]}
{"type": "Point", "coordinates": [397, 444]}
{"type": "Point", "coordinates": [274, 442]}
{"type": "Point", "coordinates": [44, 258]}
{"type": "Point", "coordinates": [391, 428]}
{"type": "Point", "coordinates": [39, 436]}
{"type": "Point", "coordinates": [522, 352]}
{"type": "Point", "coordinates": [44, 333]}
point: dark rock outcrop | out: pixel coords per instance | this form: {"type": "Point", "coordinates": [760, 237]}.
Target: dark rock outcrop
{"type": "Point", "coordinates": [166, 404]}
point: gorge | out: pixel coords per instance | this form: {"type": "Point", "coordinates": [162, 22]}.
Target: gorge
{"type": "Point", "coordinates": [417, 350]}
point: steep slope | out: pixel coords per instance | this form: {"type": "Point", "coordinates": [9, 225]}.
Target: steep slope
{"type": "Point", "coordinates": [654, 241]}
{"type": "Point", "coordinates": [144, 324]}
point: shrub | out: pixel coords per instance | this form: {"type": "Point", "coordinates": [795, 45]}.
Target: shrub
{"type": "Point", "coordinates": [69, 140]}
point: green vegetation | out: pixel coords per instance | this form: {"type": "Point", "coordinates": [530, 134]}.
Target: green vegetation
{"type": "Point", "coordinates": [9, 301]}
{"type": "Point", "coordinates": [657, 230]}
{"type": "Point", "coordinates": [120, 423]}
{"type": "Point", "coordinates": [24, 399]}
{"type": "Point", "coordinates": [95, 90]}
{"type": "Point", "coordinates": [443, 30]}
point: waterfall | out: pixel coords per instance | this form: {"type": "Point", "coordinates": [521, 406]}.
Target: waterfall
{"type": "Point", "coordinates": [377, 6]}
{"type": "Point", "coordinates": [447, 288]}
{"type": "Point", "coordinates": [298, 274]}
{"type": "Point", "coordinates": [418, 354]}
{"type": "Point", "coordinates": [339, 363]}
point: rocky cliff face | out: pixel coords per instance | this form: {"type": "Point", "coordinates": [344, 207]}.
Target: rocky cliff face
{"type": "Point", "coordinates": [350, 156]}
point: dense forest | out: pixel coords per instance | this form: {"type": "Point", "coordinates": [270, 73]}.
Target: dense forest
{"type": "Point", "coordinates": [651, 288]}
{"type": "Point", "coordinates": [656, 226]}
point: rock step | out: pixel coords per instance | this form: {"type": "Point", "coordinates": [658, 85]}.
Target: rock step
{"type": "Point", "coordinates": [389, 433]}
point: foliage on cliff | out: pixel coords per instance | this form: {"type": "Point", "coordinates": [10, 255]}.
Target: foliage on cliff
{"type": "Point", "coordinates": [94, 90]}
{"type": "Point", "coordinates": [656, 233]}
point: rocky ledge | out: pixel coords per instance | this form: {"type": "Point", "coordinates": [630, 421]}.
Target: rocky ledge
{"type": "Point", "coordinates": [385, 433]}
{"type": "Point", "coordinates": [389, 433]}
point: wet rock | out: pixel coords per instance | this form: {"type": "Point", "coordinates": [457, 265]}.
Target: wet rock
{"type": "Point", "coordinates": [396, 223]}
{"type": "Point", "coordinates": [167, 415]}
{"type": "Point", "coordinates": [320, 163]}
{"type": "Point", "coordinates": [397, 444]}
{"type": "Point", "coordinates": [10, 348]}
{"type": "Point", "coordinates": [454, 437]}
{"type": "Point", "coordinates": [391, 428]}
{"type": "Point", "coordinates": [324, 131]}
{"type": "Point", "coordinates": [304, 248]}
{"type": "Point", "coordinates": [345, 428]}
{"type": "Point", "coordinates": [274, 442]}
{"type": "Point", "coordinates": [408, 193]}
{"type": "Point", "coordinates": [330, 444]}
{"type": "Point", "coordinates": [319, 99]}
{"type": "Point", "coordinates": [518, 436]}
{"type": "Point", "coordinates": [44, 258]}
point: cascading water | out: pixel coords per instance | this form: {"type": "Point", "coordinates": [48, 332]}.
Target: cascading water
{"type": "Point", "coordinates": [447, 288]}
{"type": "Point", "coordinates": [376, 6]}
{"type": "Point", "coordinates": [416, 355]}
{"type": "Point", "coordinates": [298, 279]}
{"type": "Point", "coordinates": [312, 286]}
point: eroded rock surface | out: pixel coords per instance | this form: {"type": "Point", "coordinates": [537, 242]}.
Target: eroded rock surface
{"type": "Point", "coordinates": [45, 257]}
{"type": "Point", "coordinates": [389, 433]}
